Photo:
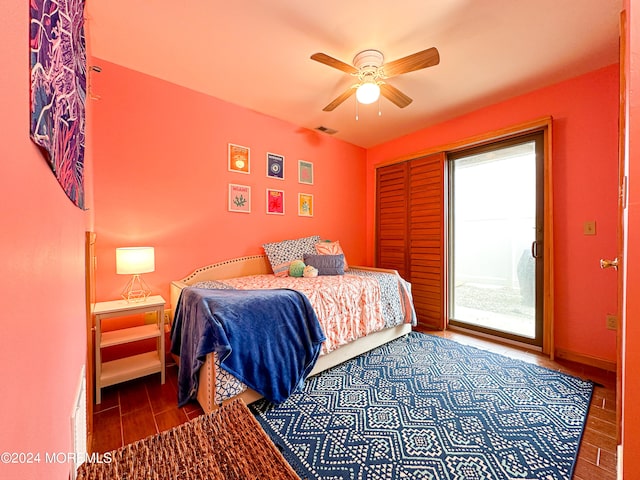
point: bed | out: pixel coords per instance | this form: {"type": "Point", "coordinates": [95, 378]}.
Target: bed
{"type": "Point", "coordinates": [216, 386]}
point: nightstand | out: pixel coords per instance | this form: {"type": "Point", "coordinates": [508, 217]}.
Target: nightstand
{"type": "Point", "coordinates": [128, 368]}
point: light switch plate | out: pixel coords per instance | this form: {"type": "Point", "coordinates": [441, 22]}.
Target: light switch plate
{"type": "Point", "coordinates": [589, 227]}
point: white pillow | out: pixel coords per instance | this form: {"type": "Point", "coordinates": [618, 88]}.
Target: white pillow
{"type": "Point", "coordinates": [281, 254]}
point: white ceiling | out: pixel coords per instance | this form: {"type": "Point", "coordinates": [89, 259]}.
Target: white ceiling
{"type": "Point", "coordinates": [255, 53]}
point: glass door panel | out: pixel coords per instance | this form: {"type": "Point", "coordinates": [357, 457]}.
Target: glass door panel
{"type": "Point", "coordinates": [494, 241]}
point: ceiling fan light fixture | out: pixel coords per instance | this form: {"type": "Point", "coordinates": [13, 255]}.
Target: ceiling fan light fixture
{"type": "Point", "coordinates": [371, 71]}
{"type": "Point", "coordinates": [368, 93]}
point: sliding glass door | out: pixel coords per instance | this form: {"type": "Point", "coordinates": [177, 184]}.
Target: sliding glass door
{"type": "Point", "coordinates": [496, 232]}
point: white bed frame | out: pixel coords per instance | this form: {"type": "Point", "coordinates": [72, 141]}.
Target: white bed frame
{"type": "Point", "coordinates": [256, 265]}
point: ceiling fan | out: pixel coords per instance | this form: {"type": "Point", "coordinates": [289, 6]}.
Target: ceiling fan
{"type": "Point", "coordinates": [371, 72]}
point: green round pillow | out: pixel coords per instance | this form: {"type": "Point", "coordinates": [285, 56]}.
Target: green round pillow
{"type": "Point", "coordinates": [296, 268]}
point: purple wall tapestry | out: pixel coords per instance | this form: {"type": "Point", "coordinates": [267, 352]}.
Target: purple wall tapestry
{"type": "Point", "coordinates": [58, 88]}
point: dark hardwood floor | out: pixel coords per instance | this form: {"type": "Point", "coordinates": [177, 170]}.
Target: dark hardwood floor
{"type": "Point", "coordinates": [134, 410]}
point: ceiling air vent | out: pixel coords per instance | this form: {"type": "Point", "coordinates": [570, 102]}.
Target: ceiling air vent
{"type": "Point", "coordinates": [329, 131]}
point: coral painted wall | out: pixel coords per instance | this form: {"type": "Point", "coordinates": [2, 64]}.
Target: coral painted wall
{"type": "Point", "coordinates": [585, 156]}
{"type": "Point", "coordinates": [161, 179]}
{"type": "Point", "coordinates": [43, 310]}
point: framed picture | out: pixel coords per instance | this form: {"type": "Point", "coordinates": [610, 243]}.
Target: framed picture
{"type": "Point", "coordinates": [239, 159]}
{"type": "Point", "coordinates": [305, 172]}
{"type": "Point", "coordinates": [239, 198]}
{"type": "Point", "coordinates": [305, 204]}
{"type": "Point", "coordinates": [275, 201]}
{"type": "Point", "coordinates": [275, 166]}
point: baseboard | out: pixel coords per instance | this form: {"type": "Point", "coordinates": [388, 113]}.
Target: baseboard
{"type": "Point", "coordinates": [585, 359]}
{"type": "Point", "coordinates": [619, 466]}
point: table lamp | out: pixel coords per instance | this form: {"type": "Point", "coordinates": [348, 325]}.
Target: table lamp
{"type": "Point", "coordinates": [135, 261]}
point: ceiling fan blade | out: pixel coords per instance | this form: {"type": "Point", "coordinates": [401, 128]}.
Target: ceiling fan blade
{"type": "Point", "coordinates": [346, 94]}
{"type": "Point", "coordinates": [333, 62]}
{"type": "Point", "coordinates": [394, 95]}
{"type": "Point", "coordinates": [425, 58]}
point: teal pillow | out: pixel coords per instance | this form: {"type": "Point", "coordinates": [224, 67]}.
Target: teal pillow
{"type": "Point", "coordinates": [296, 269]}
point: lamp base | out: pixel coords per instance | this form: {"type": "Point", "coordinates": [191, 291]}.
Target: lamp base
{"type": "Point", "coordinates": [136, 290]}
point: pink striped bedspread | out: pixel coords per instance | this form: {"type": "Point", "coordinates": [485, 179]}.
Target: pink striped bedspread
{"type": "Point", "coordinates": [348, 307]}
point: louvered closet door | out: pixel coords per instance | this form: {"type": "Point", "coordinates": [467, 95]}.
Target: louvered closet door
{"type": "Point", "coordinates": [391, 218]}
{"type": "Point", "coordinates": [427, 245]}
{"type": "Point", "coordinates": [410, 231]}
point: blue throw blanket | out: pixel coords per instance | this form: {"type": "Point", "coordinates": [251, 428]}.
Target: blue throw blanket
{"type": "Point", "coordinates": [269, 339]}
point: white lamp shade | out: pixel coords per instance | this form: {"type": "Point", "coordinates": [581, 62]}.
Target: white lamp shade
{"type": "Point", "coordinates": [135, 260]}
{"type": "Point", "coordinates": [368, 93]}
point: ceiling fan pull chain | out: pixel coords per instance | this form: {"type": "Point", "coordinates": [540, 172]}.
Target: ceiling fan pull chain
{"type": "Point", "coordinates": [356, 110]}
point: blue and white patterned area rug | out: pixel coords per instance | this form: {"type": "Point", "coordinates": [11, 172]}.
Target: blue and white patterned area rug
{"type": "Point", "coordinates": [424, 407]}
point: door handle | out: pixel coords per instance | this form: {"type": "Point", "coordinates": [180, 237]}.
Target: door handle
{"type": "Point", "coordinates": [534, 249]}
{"type": "Point", "coordinates": [609, 263]}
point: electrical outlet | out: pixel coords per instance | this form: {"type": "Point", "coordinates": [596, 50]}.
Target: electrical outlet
{"type": "Point", "coordinates": [612, 322]}
{"type": "Point", "coordinates": [150, 317]}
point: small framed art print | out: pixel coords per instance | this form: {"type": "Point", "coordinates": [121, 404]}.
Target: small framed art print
{"type": "Point", "coordinates": [275, 201]}
{"type": "Point", "coordinates": [239, 198]}
{"type": "Point", "coordinates": [305, 172]}
{"type": "Point", "coordinates": [275, 166]}
{"type": "Point", "coordinates": [305, 204]}
{"type": "Point", "coordinates": [239, 159]}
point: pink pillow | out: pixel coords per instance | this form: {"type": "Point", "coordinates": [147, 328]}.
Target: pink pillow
{"type": "Point", "coordinates": [331, 248]}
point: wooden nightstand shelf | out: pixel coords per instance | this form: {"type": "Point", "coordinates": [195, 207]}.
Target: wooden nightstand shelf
{"type": "Point", "coordinates": [128, 368]}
